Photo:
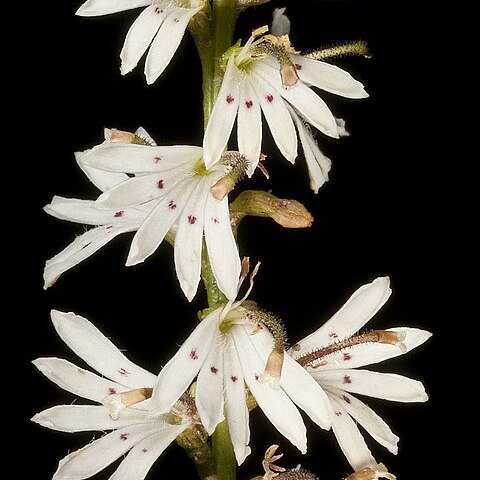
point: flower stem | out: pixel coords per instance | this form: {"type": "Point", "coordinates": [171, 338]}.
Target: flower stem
{"type": "Point", "coordinates": [223, 454]}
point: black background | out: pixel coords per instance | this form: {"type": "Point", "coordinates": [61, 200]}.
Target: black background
{"type": "Point", "coordinates": [378, 215]}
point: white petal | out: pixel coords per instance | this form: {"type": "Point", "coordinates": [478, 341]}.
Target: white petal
{"type": "Point", "coordinates": [368, 419]}
{"type": "Point", "coordinates": [84, 211]}
{"type": "Point", "coordinates": [140, 36]}
{"type": "Point", "coordinates": [369, 353]}
{"type": "Point", "coordinates": [222, 117]}
{"type": "Point", "coordinates": [249, 128]}
{"type": "Point", "coordinates": [97, 455]}
{"type": "Point", "coordinates": [303, 98]}
{"type": "Point", "coordinates": [92, 8]}
{"type": "Point", "coordinates": [189, 239]}
{"type": "Point", "coordinates": [153, 230]}
{"type": "Point", "coordinates": [353, 315]}
{"type": "Point", "coordinates": [98, 351]}
{"type": "Point", "coordinates": [76, 380]}
{"type": "Point", "coordinates": [209, 390]}
{"type": "Point", "coordinates": [388, 386]}
{"type": "Point", "coordinates": [143, 455]}
{"type": "Point", "coordinates": [221, 246]}
{"type": "Point", "coordinates": [276, 405]}
{"type": "Point", "coordinates": [349, 437]}
{"type": "Point", "coordinates": [141, 189]}
{"type": "Point", "coordinates": [101, 179]}
{"type": "Point", "coordinates": [328, 77]}
{"type": "Point", "coordinates": [167, 40]}
{"type": "Point", "coordinates": [178, 373]}
{"type": "Point", "coordinates": [131, 158]}
{"type": "Point", "coordinates": [297, 384]}
{"type": "Point", "coordinates": [317, 163]}
{"type": "Point", "coordinates": [235, 403]}
{"type": "Point", "coordinates": [82, 418]}
{"type": "Point", "coordinates": [81, 248]}
{"type": "Point", "coordinates": [277, 117]}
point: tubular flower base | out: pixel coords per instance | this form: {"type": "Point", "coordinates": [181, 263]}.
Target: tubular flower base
{"type": "Point", "coordinates": [159, 29]}
{"type": "Point", "coordinates": [227, 350]}
{"type": "Point", "coordinates": [332, 355]}
{"type": "Point", "coordinates": [121, 385]}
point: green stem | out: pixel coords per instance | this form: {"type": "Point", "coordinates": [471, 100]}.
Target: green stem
{"type": "Point", "coordinates": [223, 454]}
{"type": "Point", "coordinates": [214, 295]}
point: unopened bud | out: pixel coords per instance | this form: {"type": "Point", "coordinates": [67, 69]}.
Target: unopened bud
{"type": "Point", "coordinates": [287, 213]}
{"type": "Point", "coordinates": [369, 473]}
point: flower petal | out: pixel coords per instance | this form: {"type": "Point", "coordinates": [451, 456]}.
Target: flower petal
{"type": "Point", "coordinates": [221, 246]}
{"type": "Point", "coordinates": [249, 128]}
{"type": "Point", "coordinates": [277, 116]}
{"type": "Point", "coordinates": [209, 390]}
{"type": "Point", "coordinates": [98, 351]}
{"type": "Point", "coordinates": [188, 240]}
{"type": "Point", "coordinates": [276, 405]}
{"type": "Point", "coordinates": [349, 437]}
{"type": "Point", "coordinates": [96, 456]}
{"type": "Point", "coordinates": [82, 418]}
{"type": "Point", "coordinates": [368, 419]}
{"type": "Point", "coordinates": [297, 384]}
{"type": "Point", "coordinates": [140, 36]}
{"type": "Point", "coordinates": [167, 40]}
{"type": "Point", "coordinates": [131, 158]}
{"type": "Point", "coordinates": [157, 224]}
{"type": "Point", "coordinates": [235, 403]}
{"type": "Point", "coordinates": [328, 77]}
{"type": "Point", "coordinates": [92, 8]}
{"type": "Point", "coordinates": [317, 163]}
{"type": "Point", "coordinates": [222, 117]}
{"type": "Point", "coordinates": [388, 386]}
{"type": "Point", "coordinates": [353, 315]}
{"type": "Point", "coordinates": [101, 179]}
{"type": "Point", "coordinates": [369, 353]}
{"type": "Point", "coordinates": [141, 189]}
{"type": "Point", "coordinates": [142, 456]}
{"type": "Point", "coordinates": [76, 380]}
{"type": "Point", "coordinates": [84, 211]}
{"type": "Point", "coordinates": [178, 373]}
{"type": "Point", "coordinates": [81, 248]}
{"type": "Point", "coordinates": [303, 98]}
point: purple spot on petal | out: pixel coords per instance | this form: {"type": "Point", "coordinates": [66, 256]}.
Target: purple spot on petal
{"type": "Point", "coordinates": [230, 99]}
{"type": "Point", "coordinates": [144, 450]}
{"type": "Point", "coordinates": [214, 370]}
{"type": "Point", "coordinates": [112, 391]}
{"type": "Point", "coordinates": [234, 378]}
{"type": "Point", "coordinates": [333, 335]}
{"type": "Point", "coordinates": [257, 377]}
{"type": "Point", "coordinates": [347, 379]}
{"type": "Point", "coordinates": [157, 159]}
{"type": "Point", "coordinates": [346, 399]}
{"type": "Point", "coordinates": [269, 98]}
{"type": "Point", "coordinates": [248, 103]}
{"type": "Point", "coordinates": [192, 219]}
{"type": "Point", "coordinates": [337, 413]}
{"type": "Point", "coordinates": [119, 214]}
{"type": "Point", "coordinates": [298, 66]}
{"type": "Point", "coordinates": [172, 205]}
{"type": "Point", "coordinates": [193, 354]}
{"type": "Point", "coordinates": [123, 436]}
{"type": "Point", "coordinates": [215, 220]}
{"type": "Point", "coordinates": [175, 20]}
{"type": "Point", "coordinates": [123, 372]}
{"type": "Point", "coordinates": [347, 356]}
{"type": "Point", "coordinates": [158, 10]}
{"type": "Point", "coordinates": [160, 184]}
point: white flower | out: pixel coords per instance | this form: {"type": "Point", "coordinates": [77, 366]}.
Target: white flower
{"type": "Point", "coordinates": [332, 355]}
{"type": "Point", "coordinates": [267, 76]}
{"type": "Point", "coordinates": [232, 347]}
{"type": "Point", "coordinates": [107, 223]}
{"type": "Point", "coordinates": [175, 180]}
{"type": "Point", "coordinates": [133, 430]}
{"type": "Point", "coordinates": [158, 29]}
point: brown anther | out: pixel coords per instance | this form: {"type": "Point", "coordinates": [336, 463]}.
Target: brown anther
{"type": "Point", "coordinates": [223, 187]}
{"type": "Point", "coordinates": [133, 397]}
{"type": "Point", "coordinates": [369, 473]}
{"type": "Point", "coordinates": [289, 75]}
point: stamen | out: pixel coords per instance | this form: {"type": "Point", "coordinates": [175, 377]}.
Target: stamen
{"type": "Point", "coordinates": [316, 358]}
{"type": "Point", "coordinates": [357, 48]}
{"type": "Point", "coordinates": [238, 165]}
{"type": "Point", "coordinates": [369, 473]}
{"type": "Point", "coordinates": [119, 136]}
